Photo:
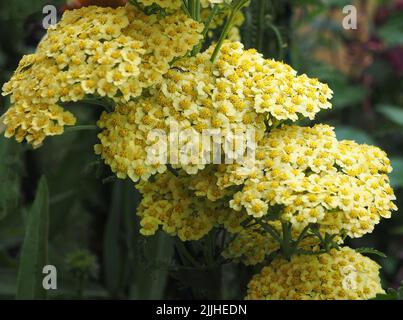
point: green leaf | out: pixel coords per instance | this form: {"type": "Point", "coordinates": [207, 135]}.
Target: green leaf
{"type": "Point", "coordinates": [34, 252]}
{"type": "Point", "coordinates": [396, 176]}
{"type": "Point", "coordinates": [151, 276]}
{"type": "Point", "coordinates": [392, 31]}
{"type": "Point", "coordinates": [10, 164]}
{"type": "Point", "coordinates": [112, 251]}
{"type": "Point", "coordinates": [88, 127]}
{"type": "Point", "coordinates": [391, 294]}
{"type": "Point", "coordinates": [391, 112]}
{"type": "Point", "coordinates": [371, 251]}
{"type": "Point", "coordinates": [351, 133]}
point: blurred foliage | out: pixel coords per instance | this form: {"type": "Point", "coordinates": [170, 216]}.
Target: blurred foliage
{"type": "Point", "coordinates": [92, 217]}
{"type": "Point", "coordinates": [364, 67]}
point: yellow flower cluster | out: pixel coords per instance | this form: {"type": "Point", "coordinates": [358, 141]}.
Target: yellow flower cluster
{"type": "Point", "coordinates": [343, 186]}
{"type": "Point", "coordinates": [337, 275]}
{"type": "Point", "coordinates": [196, 96]}
{"type": "Point", "coordinates": [104, 52]}
{"type": "Point", "coordinates": [123, 143]}
{"type": "Point", "coordinates": [244, 82]}
{"type": "Point", "coordinates": [204, 184]}
{"type": "Point", "coordinates": [35, 113]}
{"type": "Point", "coordinates": [168, 202]}
{"type": "Point", "coordinates": [178, 204]}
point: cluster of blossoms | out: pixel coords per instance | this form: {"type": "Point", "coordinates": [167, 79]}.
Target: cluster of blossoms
{"type": "Point", "coordinates": [146, 63]}
{"type": "Point", "coordinates": [179, 206]}
{"type": "Point", "coordinates": [339, 274]}
{"type": "Point", "coordinates": [312, 178]}
{"type": "Point", "coordinates": [168, 202]}
{"type": "Point", "coordinates": [238, 94]}
{"type": "Point", "coordinates": [104, 52]}
{"type": "Point", "coordinates": [342, 186]}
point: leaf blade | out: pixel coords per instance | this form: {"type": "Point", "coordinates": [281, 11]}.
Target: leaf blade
{"type": "Point", "coordinates": [34, 253]}
{"type": "Point", "coordinates": [392, 113]}
{"type": "Point", "coordinates": [371, 251]}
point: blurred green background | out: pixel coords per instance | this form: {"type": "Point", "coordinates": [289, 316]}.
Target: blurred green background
{"type": "Point", "coordinates": [93, 234]}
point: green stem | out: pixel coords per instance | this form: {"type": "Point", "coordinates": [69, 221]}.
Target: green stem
{"type": "Point", "coordinates": [185, 8]}
{"type": "Point", "coordinates": [273, 232]}
{"type": "Point", "coordinates": [310, 253]}
{"type": "Point", "coordinates": [261, 20]}
{"type": "Point", "coordinates": [303, 234]}
{"type": "Point", "coordinates": [192, 8]}
{"type": "Point", "coordinates": [286, 247]}
{"type": "Point", "coordinates": [198, 10]}
{"type": "Point", "coordinates": [228, 25]}
{"type": "Point", "coordinates": [172, 170]}
{"type": "Point", "coordinates": [246, 222]}
{"type": "Point", "coordinates": [222, 38]}
{"type": "Point", "coordinates": [207, 23]}
{"type": "Point", "coordinates": [81, 128]}
{"type": "Point", "coordinates": [209, 19]}
{"type": "Point", "coordinates": [280, 42]}
{"type": "Point", "coordinates": [316, 232]}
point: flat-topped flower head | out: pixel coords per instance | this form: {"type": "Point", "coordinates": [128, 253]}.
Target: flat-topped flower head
{"type": "Point", "coordinates": [338, 275]}
{"type": "Point", "coordinates": [242, 81]}
{"type": "Point", "coordinates": [93, 51]}
{"type": "Point", "coordinates": [342, 186]}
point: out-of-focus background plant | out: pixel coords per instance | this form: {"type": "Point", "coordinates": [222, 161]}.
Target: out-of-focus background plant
{"type": "Point", "coordinates": [93, 235]}
{"type": "Point", "coordinates": [364, 67]}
